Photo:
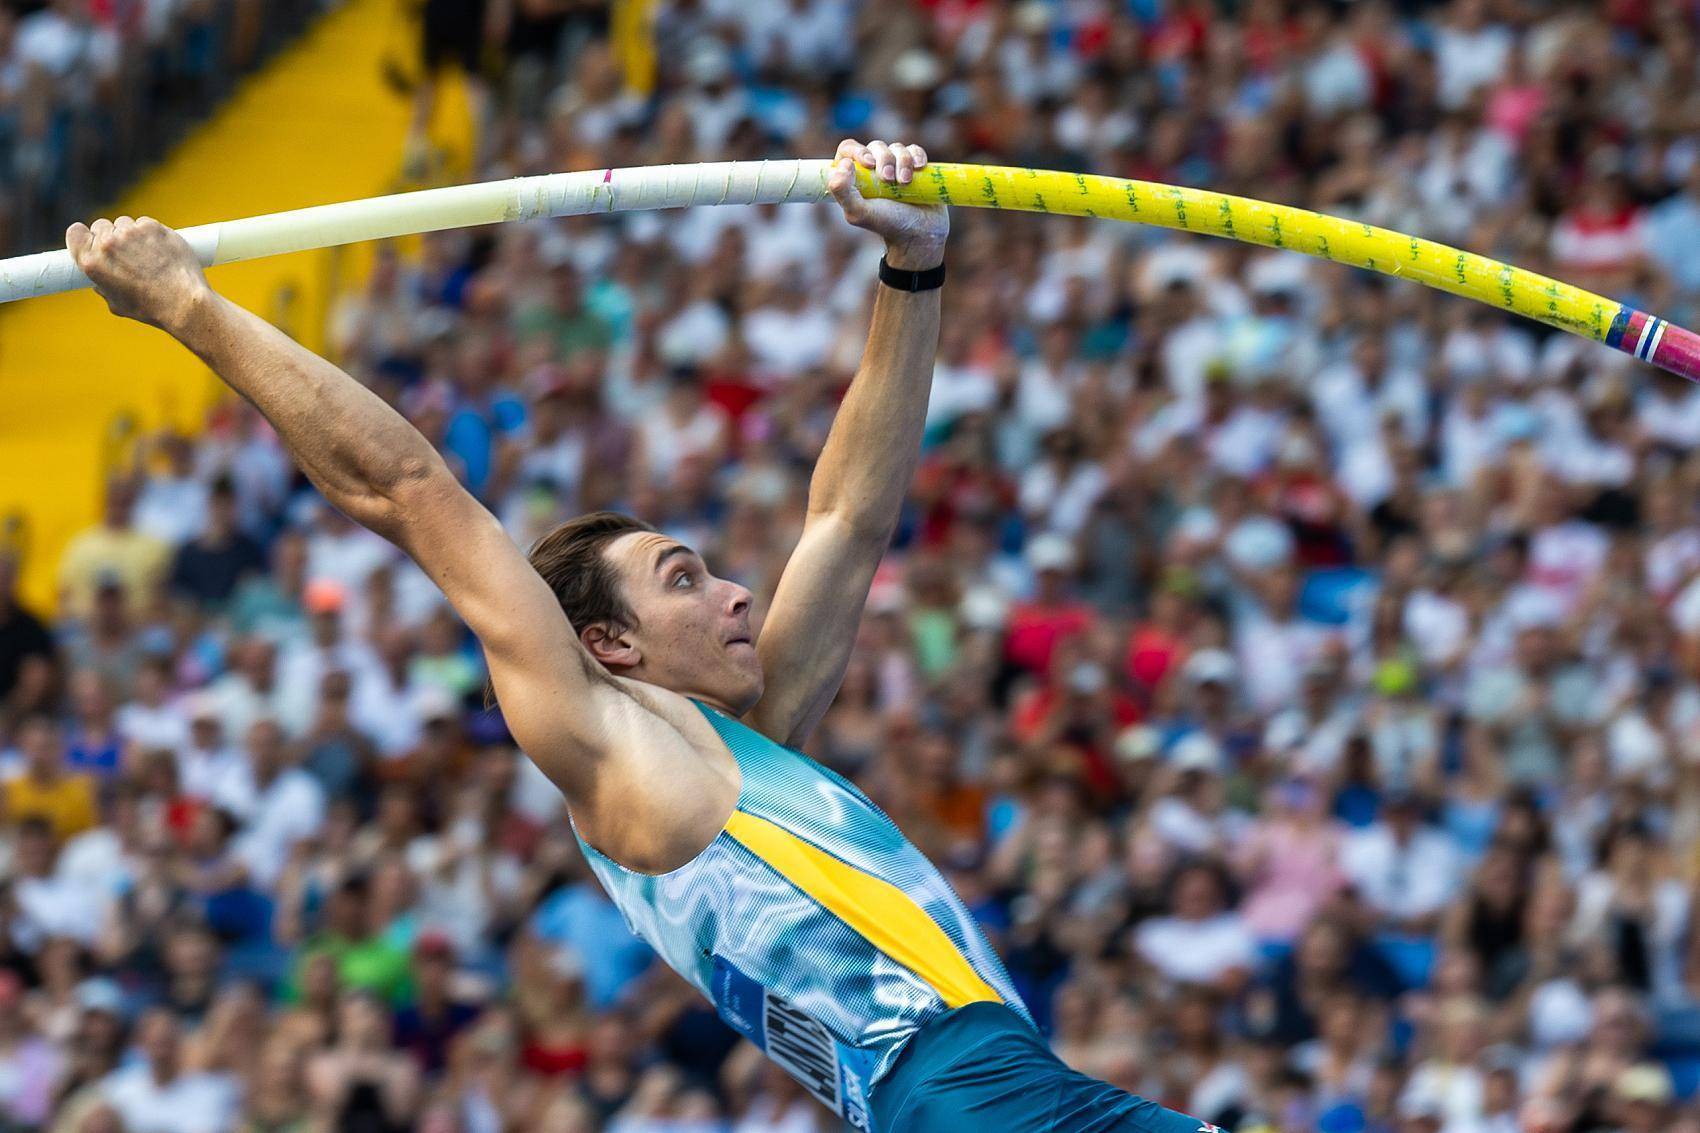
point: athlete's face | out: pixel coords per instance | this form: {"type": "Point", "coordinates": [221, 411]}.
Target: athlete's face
{"type": "Point", "coordinates": [693, 634]}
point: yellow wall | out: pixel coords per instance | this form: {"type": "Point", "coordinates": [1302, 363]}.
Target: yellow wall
{"type": "Point", "coordinates": [316, 125]}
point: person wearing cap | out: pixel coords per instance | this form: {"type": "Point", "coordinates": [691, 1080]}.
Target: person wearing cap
{"type": "Point", "coordinates": [1211, 679]}
{"type": "Point", "coordinates": [301, 667]}
{"type": "Point", "coordinates": [1192, 814]}
{"type": "Point", "coordinates": [1643, 1095]}
{"type": "Point", "coordinates": [1052, 613]}
{"type": "Point", "coordinates": [426, 1026]}
{"type": "Point", "coordinates": [207, 760]}
{"type": "Point", "coordinates": [1136, 749]}
{"type": "Point", "coordinates": [1079, 710]}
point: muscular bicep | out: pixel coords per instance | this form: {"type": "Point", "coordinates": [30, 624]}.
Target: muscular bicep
{"type": "Point", "coordinates": [639, 786]}
{"type": "Point", "coordinates": [806, 639]}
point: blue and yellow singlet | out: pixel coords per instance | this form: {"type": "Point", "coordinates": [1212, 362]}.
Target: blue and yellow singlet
{"type": "Point", "coordinates": [819, 932]}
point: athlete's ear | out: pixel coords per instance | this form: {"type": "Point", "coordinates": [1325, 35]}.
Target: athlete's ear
{"type": "Point", "coordinates": [616, 651]}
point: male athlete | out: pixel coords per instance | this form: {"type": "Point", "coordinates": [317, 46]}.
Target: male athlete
{"type": "Point", "coordinates": [628, 672]}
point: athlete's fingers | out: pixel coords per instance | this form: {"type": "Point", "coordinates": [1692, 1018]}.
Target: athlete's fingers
{"type": "Point", "coordinates": [905, 162]}
{"type": "Point", "coordinates": [883, 164]}
{"type": "Point", "coordinates": [77, 239]}
{"type": "Point", "coordinates": [841, 183]}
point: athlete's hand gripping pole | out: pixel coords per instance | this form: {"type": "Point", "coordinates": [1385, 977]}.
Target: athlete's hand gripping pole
{"type": "Point", "coordinates": [1508, 288]}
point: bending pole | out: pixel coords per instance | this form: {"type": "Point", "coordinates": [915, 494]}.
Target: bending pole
{"type": "Point", "coordinates": [1557, 304]}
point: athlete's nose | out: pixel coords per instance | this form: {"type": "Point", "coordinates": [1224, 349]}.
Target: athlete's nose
{"type": "Point", "coordinates": [740, 599]}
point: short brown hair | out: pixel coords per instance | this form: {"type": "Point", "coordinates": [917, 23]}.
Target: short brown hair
{"type": "Point", "coordinates": [570, 559]}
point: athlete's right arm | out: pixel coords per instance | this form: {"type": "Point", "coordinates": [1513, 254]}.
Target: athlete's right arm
{"type": "Point", "coordinates": [375, 467]}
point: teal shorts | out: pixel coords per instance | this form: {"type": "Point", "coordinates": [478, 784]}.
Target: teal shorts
{"type": "Point", "coordinates": [982, 1069]}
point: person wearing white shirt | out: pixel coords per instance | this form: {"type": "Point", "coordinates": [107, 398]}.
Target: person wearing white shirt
{"type": "Point", "coordinates": [302, 669]}
{"type": "Point", "coordinates": [1310, 737]}
{"type": "Point", "coordinates": [1469, 435]}
{"type": "Point", "coordinates": [155, 1094]}
{"type": "Point", "coordinates": [1202, 941]}
{"type": "Point", "coordinates": [68, 45]}
{"type": "Point", "coordinates": [1672, 538]}
{"type": "Point", "coordinates": [1351, 398]}
{"type": "Point", "coordinates": [1438, 623]}
{"type": "Point", "coordinates": [1450, 1083]}
{"type": "Point", "coordinates": [341, 551]}
{"type": "Point", "coordinates": [103, 859]}
{"type": "Point", "coordinates": [960, 384]}
{"type": "Point", "coordinates": [1403, 868]}
{"type": "Point", "coordinates": [1057, 494]}
{"type": "Point", "coordinates": [1565, 554]}
{"type": "Point", "coordinates": [172, 506]}
{"type": "Point", "coordinates": [249, 689]}
{"type": "Point", "coordinates": [48, 904]}
{"type": "Point", "coordinates": [465, 882]}
{"type": "Point", "coordinates": [1245, 444]}
{"type": "Point", "coordinates": [1275, 643]}
{"type": "Point", "coordinates": [686, 426]}
{"type": "Point", "coordinates": [1667, 408]}
{"type": "Point", "coordinates": [150, 720]}
{"type": "Point", "coordinates": [699, 328]}
{"type": "Point", "coordinates": [387, 709]}
{"type": "Point", "coordinates": [1191, 347]}
{"type": "Point", "coordinates": [1470, 53]}
{"type": "Point", "coordinates": [276, 802]}
{"type": "Point", "coordinates": [206, 760]}
{"type": "Point", "coordinates": [714, 103]}
{"type": "Point", "coordinates": [786, 239]}
{"type": "Point", "coordinates": [789, 334]}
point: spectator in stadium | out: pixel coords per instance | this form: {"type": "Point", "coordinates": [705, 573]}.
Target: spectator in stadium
{"type": "Point", "coordinates": [1386, 603]}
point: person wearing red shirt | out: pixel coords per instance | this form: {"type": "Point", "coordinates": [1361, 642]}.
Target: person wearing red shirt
{"type": "Point", "coordinates": [1052, 614]}
{"type": "Point", "coordinates": [1158, 645]}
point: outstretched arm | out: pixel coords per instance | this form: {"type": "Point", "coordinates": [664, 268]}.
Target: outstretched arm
{"type": "Point", "coordinates": [376, 468]}
{"type": "Point", "coordinates": [865, 468]}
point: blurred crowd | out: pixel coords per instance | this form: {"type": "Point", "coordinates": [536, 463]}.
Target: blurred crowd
{"type": "Point", "coordinates": [1294, 670]}
{"type": "Point", "coordinates": [92, 89]}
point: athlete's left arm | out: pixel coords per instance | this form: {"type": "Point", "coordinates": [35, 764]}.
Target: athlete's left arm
{"type": "Point", "coordinates": [865, 467]}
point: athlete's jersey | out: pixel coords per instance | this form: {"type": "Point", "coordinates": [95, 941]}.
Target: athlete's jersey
{"type": "Point", "coordinates": [811, 922]}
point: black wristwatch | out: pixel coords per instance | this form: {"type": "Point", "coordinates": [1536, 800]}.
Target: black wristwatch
{"type": "Point", "coordinates": [903, 279]}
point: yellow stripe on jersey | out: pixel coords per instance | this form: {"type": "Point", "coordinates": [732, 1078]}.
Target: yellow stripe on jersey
{"type": "Point", "coordinates": [878, 910]}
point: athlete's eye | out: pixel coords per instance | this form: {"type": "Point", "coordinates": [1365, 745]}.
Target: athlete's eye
{"type": "Point", "coordinates": [683, 576]}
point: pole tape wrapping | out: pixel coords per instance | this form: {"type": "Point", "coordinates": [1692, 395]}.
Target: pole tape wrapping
{"type": "Point", "coordinates": [1500, 285]}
